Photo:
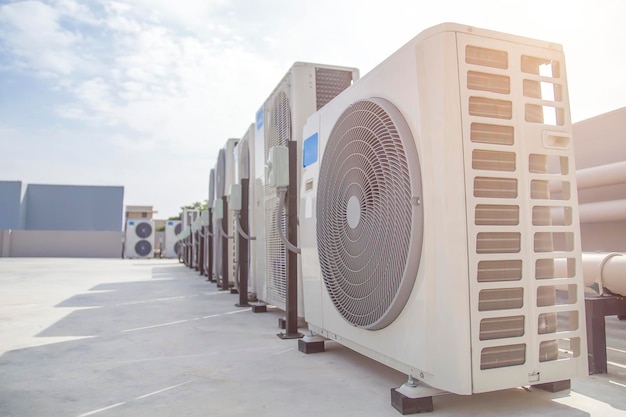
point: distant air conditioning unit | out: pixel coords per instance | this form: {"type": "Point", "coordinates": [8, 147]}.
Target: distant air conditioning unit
{"type": "Point", "coordinates": [224, 177]}
{"type": "Point", "coordinates": [210, 245]}
{"type": "Point", "coordinates": [305, 89]}
{"type": "Point", "coordinates": [139, 238]}
{"type": "Point", "coordinates": [172, 230]}
{"type": "Point", "coordinates": [436, 196]}
{"type": "Point", "coordinates": [244, 165]}
{"type": "Point", "coordinates": [189, 217]}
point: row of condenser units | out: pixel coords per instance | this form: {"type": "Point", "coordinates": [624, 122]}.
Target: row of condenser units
{"type": "Point", "coordinates": [434, 198]}
{"type": "Point", "coordinates": [140, 238]}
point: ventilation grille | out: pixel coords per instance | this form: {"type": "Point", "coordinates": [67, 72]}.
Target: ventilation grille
{"type": "Point", "coordinates": [521, 196]}
{"type": "Point", "coordinates": [143, 248]}
{"type": "Point", "coordinates": [143, 230]}
{"type": "Point", "coordinates": [366, 213]}
{"type": "Point", "coordinates": [329, 83]}
{"type": "Point", "coordinates": [278, 133]}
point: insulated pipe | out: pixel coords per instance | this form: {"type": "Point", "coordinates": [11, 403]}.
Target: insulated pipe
{"type": "Point", "coordinates": [608, 270]}
{"type": "Point", "coordinates": [609, 174]}
{"type": "Point", "coordinates": [602, 211]}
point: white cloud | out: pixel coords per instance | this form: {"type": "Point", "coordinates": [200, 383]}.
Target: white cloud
{"type": "Point", "coordinates": [30, 30]}
{"type": "Point", "coordinates": [76, 11]}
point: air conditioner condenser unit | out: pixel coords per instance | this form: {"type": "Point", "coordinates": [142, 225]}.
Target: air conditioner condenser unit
{"type": "Point", "coordinates": [431, 214]}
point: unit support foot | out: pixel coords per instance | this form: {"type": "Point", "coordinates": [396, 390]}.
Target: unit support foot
{"type": "Point", "coordinates": [259, 308]}
{"type": "Point", "coordinates": [311, 344]}
{"type": "Point", "coordinates": [555, 386]}
{"type": "Point", "coordinates": [413, 397]}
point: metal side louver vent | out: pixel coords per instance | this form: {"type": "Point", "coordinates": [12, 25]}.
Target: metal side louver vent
{"type": "Point", "coordinates": [278, 122]}
{"type": "Point", "coordinates": [370, 219]}
{"type": "Point", "coordinates": [329, 83]}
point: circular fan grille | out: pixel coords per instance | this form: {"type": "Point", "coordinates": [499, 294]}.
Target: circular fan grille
{"type": "Point", "coordinates": [369, 216]}
{"type": "Point", "coordinates": [176, 248]}
{"type": "Point", "coordinates": [143, 230]}
{"type": "Point", "coordinates": [143, 248]}
{"type": "Point", "coordinates": [178, 228]}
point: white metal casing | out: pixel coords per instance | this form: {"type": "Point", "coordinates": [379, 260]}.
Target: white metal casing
{"type": "Point", "coordinates": [303, 90]}
{"type": "Point", "coordinates": [189, 216]}
{"type": "Point", "coordinates": [139, 238]}
{"type": "Point", "coordinates": [173, 228]}
{"type": "Point", "coordinates": [244, 162]}
{"type": "Point", "coordinates": [224, 177]}
{"type": "Point", "coordinates": [446, 97]}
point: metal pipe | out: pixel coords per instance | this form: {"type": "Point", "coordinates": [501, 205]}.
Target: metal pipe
{"type": "Point", "coordinates": [281, 207]}
{"type": "Point", "coordinates": [608, 270]}
{"type": "Point", "coordinates": [609, 174]}
{"type": "Point", "coordinates": [602, 211]}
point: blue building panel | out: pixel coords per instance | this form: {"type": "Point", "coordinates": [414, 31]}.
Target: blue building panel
{"type": "Point", "coordinates": [74, 207]}
{"type": "Point", "coordinates": [10, 204]}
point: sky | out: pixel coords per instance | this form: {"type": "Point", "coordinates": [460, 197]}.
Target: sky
{"type": "Point", "coordinates": [144, 93]}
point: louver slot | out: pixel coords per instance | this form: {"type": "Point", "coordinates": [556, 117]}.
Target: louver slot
{"type": "Point", "coordinates": [555, 268]}
{"type": "Point", "coordinates": [501, 356]}
{"type": "Point", "coordinates": [506, 270]}
{"type": "Point", "coordinates": [486, 57]}
{"type": "Point", "coordinates": [548, 350]}
{"type": "Point", "coordinates": [557, 241]}
{"type": "Point", "coordinates": [488, 82]}
{"type": "Point", "coordinates": [498, 242]}
{"type": "Point", "coordinates": [552, 216]}
{"type": "Point", "coordinates": [540, 66]}
{"type": "Point", "coordinates": [488, 107]}
{"type": "Point", "coordinates": [551, 190]}
{"type": "Point", "coordinates": [543, 90]}
{"type": "Point", "coordinates": [500, 299]}
{"type": "Point", "coordinates": [488, 187]}
{"type": "Point", "coordinates": [501, 327]}
{"type": "Point", "coordinates": [497, 215]}
{"type": "Point", "coordinates": [491, 134]}
{"type": "Point", "coordinates": [548, 164]}
{"type": "Point", "coordinates": [493, 160]}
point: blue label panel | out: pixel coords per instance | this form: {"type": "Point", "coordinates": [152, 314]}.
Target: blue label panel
{"type": "Point", "coordinates": [170, 223]}
{"type": "Point", "coordinates": [131, 223]}
{"type": "Point", "coordinates": [259, 119]}
{"type": "Point", "coordinates": [309, 150]}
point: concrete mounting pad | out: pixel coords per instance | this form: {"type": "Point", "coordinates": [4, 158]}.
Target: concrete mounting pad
{"type": "Point", "coordinates": [93, 337]}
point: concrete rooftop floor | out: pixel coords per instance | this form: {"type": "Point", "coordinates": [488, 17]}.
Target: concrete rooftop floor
{"type": "Point", "coordinates": [83, 337]}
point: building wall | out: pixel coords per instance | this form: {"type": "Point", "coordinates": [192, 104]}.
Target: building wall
{"type": "Point", "coordinates": [10, 204]}
{"type": "Point", "coordinates": [598, 141]}
{"type": "Point", "coordinates": [73, 207]}
{"type": "Point", "coordinates": [66, 244]}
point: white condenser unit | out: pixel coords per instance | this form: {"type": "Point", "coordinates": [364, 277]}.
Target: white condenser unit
{"type": "Point", "coordinates": [189, 219]}
{"type": "Point", "coordinates": [224, 177]}
{"type": "Point", "coordinates": [172, 230]}
{"type": "Point", "coordinates": [212, 271]}
{"type": "Point", "coordinates": [305, 89]}
{"type": "Point", "coordinates": [244, 165]}
{"type": "Point", "coordinates": [189, 216]}
{"type": "Point", "coordinates": [437, 194]}
{"type": "Point", "coordinates": [139, 241]}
